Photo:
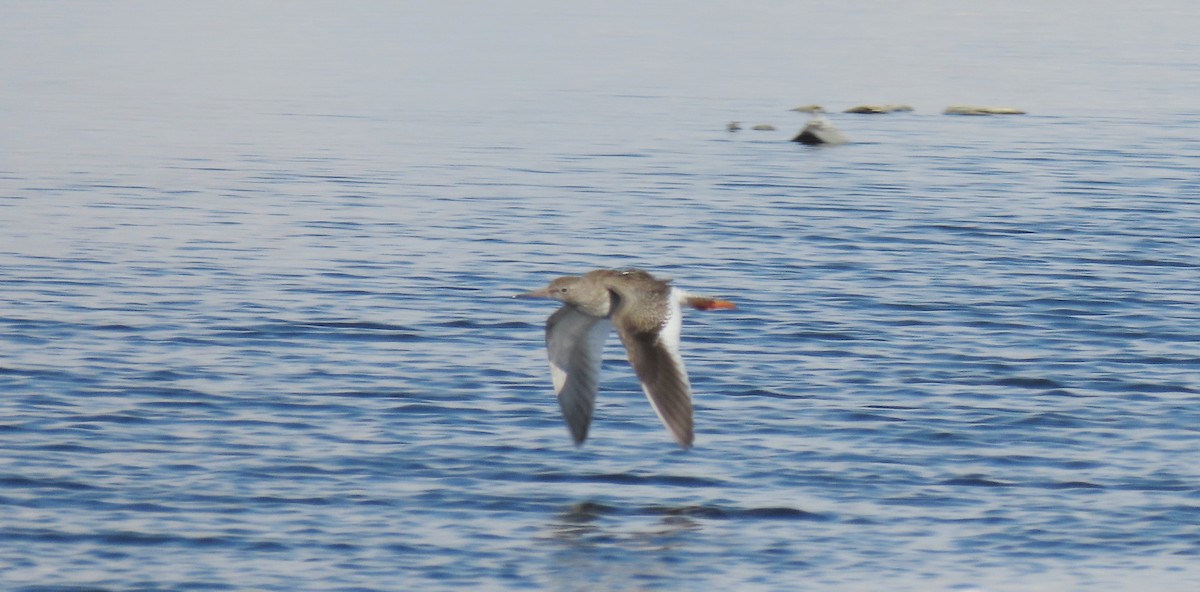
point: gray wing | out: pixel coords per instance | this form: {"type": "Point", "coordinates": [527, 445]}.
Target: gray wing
{"type": "Point", "coordinates": [575, 345]}
{"type": "Point", "coordinates": [655, 357]}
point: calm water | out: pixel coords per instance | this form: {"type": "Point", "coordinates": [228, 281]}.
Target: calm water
{"type": "Point", "coordinates": [256, 329]}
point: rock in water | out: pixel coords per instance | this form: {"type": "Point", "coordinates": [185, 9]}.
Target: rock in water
{"type": "Point", "coordinates": [820, 131]}
{"type": "Point", "coordinates": [981, 110]}
{"type": "Point", "coordinates": [875, 109]}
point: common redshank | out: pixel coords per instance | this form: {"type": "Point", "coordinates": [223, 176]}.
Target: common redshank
{"type": "Point", "coordinates": [647, 315]}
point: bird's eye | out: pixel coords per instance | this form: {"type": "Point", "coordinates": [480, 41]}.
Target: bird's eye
{"type": "Point", "coordinates": [563, 290]}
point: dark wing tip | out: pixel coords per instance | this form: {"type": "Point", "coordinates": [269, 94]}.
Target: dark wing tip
{"type": "Point", "coordinates": [684, 434]}
{"type": "Point", "coordinates": [578, 434]}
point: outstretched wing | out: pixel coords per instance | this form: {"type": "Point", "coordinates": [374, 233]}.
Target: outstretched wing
{"type": "Point", "coordinates": [575, 345]}
{"type": "Point", "coordinates": [655, 357]}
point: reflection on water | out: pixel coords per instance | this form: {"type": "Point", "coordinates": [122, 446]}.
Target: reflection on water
{"type": "Point", "coordinates": [592, 554]}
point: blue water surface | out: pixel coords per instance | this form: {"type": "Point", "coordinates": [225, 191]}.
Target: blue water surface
{"type": "Point", "coordinates": [257, 328]}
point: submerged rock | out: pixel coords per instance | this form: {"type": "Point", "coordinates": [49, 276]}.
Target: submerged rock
{"type": "Point", "coordinates": [820, 131]}
{"type": "Point", "coordinates": [879, 109]}
{"type": "Point", "coordinates": [981, 110]}
{"type": "Point", "coordinates": [764, 127]}
{"type": "Point", "coordinates": [808, 109]}
{"type": "Point", "coordinates": [733, 126]}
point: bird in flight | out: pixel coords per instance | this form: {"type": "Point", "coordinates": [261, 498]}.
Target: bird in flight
{"type": "Point", "coordinates": [647, 313]}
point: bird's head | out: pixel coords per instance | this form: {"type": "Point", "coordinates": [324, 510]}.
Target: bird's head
{"type": "Point", "coordinates": [561, 289]}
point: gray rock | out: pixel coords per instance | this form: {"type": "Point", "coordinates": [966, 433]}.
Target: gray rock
{"type": "Point", "coordinates": [981, 110]}
{"type": "Point", "coordinates": [879, 109]}
{"type": "Point", "coordinates": [820, 131]}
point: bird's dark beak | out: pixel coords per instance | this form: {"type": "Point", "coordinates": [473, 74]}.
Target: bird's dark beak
{"type": "Point", "coordinates": [542, 293]}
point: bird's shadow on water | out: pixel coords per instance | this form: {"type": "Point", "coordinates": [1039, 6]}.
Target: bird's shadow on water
{"type": "Point", "coordinates": [601, 547]}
